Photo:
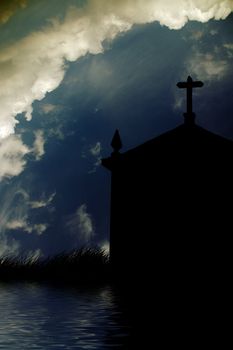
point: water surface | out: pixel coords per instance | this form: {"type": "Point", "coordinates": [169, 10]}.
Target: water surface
{"type": "Point", "coordinates": [37, 316]}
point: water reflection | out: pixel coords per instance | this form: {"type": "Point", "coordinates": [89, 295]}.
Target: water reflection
{"type": "Point", "coordinates": [39, 317]}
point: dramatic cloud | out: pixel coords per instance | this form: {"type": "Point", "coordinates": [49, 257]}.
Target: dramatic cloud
{"type": "Point", "coordinates": [36, 65]}
{"type": "Point", "coordinates": [12, 153]}
{"type": "Point", "coordinates": [9, 7]}
{"type": "Point", "coordinates": [80, 224]}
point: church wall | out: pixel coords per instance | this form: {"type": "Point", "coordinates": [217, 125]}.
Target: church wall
{"type": "Point", "coordinates": [166, 212]}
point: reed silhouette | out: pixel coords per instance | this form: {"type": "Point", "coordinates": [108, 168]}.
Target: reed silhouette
{"type": "Point", "coordinates": [85, 265]}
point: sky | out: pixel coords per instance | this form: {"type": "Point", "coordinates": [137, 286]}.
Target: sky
{"type": "Point", "coordinates": [73, 71]}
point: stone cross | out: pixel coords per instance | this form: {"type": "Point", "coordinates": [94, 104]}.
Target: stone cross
{"type": "Point", "coordinates": [189, 85]}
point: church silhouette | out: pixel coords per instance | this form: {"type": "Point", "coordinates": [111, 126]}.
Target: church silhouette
{"type": "Point", "coordinates": [171, 201]}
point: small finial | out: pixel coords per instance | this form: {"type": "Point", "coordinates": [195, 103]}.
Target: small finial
{"type": "Point", "coordinates": [116, 142]}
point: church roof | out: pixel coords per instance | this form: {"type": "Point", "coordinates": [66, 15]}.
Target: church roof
{"type": "Point", "coordinates": [184, 142]}
{"type": "Point", "coordinates": [183, 139]}
{"type": "Point", "coordinates": [181, 135]}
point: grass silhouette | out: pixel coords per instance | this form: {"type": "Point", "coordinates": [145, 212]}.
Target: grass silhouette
{"type": "Point", "coordinates": [86, 265]}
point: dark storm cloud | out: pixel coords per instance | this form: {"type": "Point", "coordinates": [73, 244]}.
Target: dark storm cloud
{"type": "Point", "coordinates": [9, 7]}
{"type": "Point", "coordinates": [35, 65]}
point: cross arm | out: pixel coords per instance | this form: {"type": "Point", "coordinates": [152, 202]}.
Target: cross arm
{"type": "Point", "coordinates": [193, 84]}
{"type": "Point", "coordinates": [197, 84]}
{"type": "Point", "coordinates": [182, 85]}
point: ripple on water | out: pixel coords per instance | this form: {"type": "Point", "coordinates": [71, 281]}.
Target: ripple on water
{"type": "Point", "coordinates": [35, 316]}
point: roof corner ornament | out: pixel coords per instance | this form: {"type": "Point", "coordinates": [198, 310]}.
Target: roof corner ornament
{"type": "Point", "coordinates": [116, 142]}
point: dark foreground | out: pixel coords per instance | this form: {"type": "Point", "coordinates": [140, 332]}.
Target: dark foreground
{"type": "Point", "coordinates": [185, 306]}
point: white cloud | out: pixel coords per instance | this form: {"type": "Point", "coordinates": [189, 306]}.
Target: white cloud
{"type": "Point", "coordinates": [95, 152]}
{"type": "Point", "coordinates": [12, 156]}
{"type": "Point", "coordinates": [13, 152]}
{"type": "Point", "coordinates": [179, 101]}
{"type": "Point", "coordinates": [8, 247]}
{"type": "Point", "coordinates": [229, 48]}
{"type": "Point", "coordinates": [35, 65]}
{"type": "Point", "coordinates": [207, 66]}
{"type": "Point", "coordinates": [58, 132]}
{"type": "Point", "coordinates": [105, 246]}
{"type": "Point", "coordinates": [85, 225]}
{"type": "Point", "coordinates": [25, 226]}
{"type": "Point", "coordinates": [39, 228]}
{"type": "Point", "coordinates": [38, 147]}
{"type": "Point", "coordinates": [80, 224]}
{"type": "Point", "coordinates": [197, 35]}
{"type": "Point", "coordinates": [48, 108]}
{"type": "Point", "coordinates": [96, 149]}
{"type": "Point", "coordinates": [214, 32]}
{"type": "Point", "coordinates": [15, 206]}
{"type": "Point", "coordinates": [16, 224]}
{"type": "Point", "coordinates": [43, 202]}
